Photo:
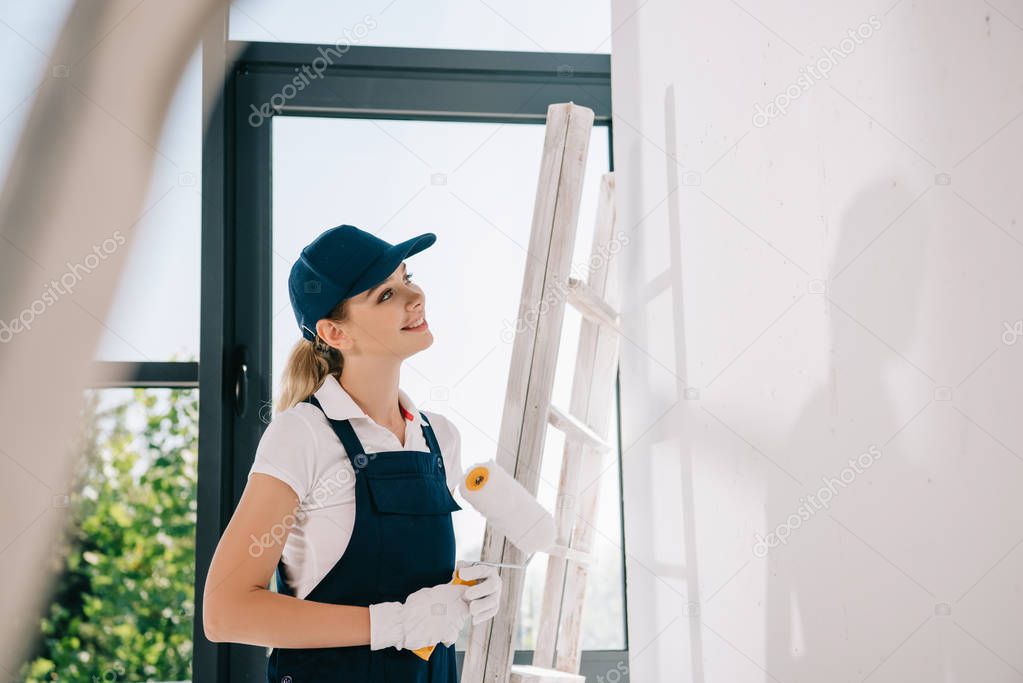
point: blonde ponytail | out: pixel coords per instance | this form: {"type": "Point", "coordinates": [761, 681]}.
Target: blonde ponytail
{"type": "Point", "coordinates": [308, 365]}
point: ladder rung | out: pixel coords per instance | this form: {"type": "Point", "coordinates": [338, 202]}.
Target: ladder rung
{"type": "Point", "coordinates": [570, 554]}
{"type": "Point", "coordinates": [590, 305]}
{"type": "Point", "coordinates": [573, 428]}
{"type": "Point", "coordinates": [525, 673]}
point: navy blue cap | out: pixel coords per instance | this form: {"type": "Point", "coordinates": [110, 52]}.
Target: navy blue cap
{"type": "Point", "coordinates": [340, 263]}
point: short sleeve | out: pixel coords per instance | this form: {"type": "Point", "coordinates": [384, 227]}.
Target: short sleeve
{"type": "Point", "coordinates": [286, 451]}
{"type": "Point", "coordinates": [450, 440]}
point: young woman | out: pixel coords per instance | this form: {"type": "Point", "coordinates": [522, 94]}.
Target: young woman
{"type": "Point", "coordinates": [349, 499]}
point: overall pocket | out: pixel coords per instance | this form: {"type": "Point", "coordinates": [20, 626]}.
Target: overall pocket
{"type": "Point", "coordinates": [414, 534]}
{"type": "Point", "coordinates": [410, 494]}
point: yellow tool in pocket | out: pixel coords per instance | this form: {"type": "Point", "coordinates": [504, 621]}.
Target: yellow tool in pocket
{"type": "Point", "coordinates": [425, 652]}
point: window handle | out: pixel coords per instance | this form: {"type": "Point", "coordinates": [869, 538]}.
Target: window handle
{"type": "Point", "coordinates": [241, 382]}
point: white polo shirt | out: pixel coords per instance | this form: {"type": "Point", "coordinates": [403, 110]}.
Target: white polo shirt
{"type": "Point", "coordinates": [300, 448]}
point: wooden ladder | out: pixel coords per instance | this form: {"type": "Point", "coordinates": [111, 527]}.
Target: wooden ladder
{"type": "Point", "coordinates": [547, 286]}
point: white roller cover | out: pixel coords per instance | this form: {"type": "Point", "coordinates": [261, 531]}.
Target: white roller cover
{"type": "Point", "coordinates": [508, 506]}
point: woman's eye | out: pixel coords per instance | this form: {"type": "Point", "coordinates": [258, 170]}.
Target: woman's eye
{"type": "Point", "coordinates": [385, 297]}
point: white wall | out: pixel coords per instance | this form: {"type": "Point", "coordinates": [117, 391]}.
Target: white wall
{"type": "Point", "coordinates": [820, 288]}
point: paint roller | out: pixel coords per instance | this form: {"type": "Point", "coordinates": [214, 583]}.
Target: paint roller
{"type": "Point", "coordinates": [510, 509]}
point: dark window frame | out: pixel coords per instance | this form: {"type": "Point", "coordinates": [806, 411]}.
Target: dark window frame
{"type": "Point", "coordinates": [367, 82]}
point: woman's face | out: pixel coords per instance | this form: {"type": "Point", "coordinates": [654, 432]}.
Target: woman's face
{"type": "Point", "coordinates": [379, 318]}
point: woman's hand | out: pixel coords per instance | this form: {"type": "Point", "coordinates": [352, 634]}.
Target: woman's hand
{"type": "Point", "coordinates": [484, 598]}
{"type": "Point", "coordinates": [429, 616]}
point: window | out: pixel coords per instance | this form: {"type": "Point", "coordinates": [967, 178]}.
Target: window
{"type": "Point", "coordinates": [401, 141]}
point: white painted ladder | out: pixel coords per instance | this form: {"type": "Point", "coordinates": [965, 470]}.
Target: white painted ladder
{"type": "Point", "coordinates": [547, 286]}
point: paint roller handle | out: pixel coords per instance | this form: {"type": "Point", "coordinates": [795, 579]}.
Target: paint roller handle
{"type": "Point", "coordinates": [425, 652]}
{"type": "Point", "coordinates": [502, 564]}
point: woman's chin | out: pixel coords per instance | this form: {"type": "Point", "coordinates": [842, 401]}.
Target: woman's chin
{"type": "Point", "coordinates": [423, 340]}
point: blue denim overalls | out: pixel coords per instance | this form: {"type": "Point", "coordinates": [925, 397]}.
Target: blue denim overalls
{"type": "Point", "coordinates": [403, 540]}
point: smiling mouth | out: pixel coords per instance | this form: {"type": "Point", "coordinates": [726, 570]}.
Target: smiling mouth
{"type": "Point", "coordinates": [419, 326]}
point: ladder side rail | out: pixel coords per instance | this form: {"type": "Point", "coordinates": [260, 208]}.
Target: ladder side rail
{"type": "Point", "coordinates": [561, 168]}
{"type": "Point", "coordinates": [598, 412]}
{"type": "Point", "coordinates": [551, 611]}
{"type": "Point", "coordinates": [550, 318]}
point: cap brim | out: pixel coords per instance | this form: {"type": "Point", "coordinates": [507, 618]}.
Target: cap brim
{"type": "Point", "coordinates": [414, 246]}
{"type": "Point", "coordinates": [389, 261]}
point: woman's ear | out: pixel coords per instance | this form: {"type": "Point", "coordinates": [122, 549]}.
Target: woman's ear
{"type": "Point", "coordinates": [331, 332]}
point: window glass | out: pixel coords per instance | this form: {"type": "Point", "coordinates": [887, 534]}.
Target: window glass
{"type": "Point", "coordinates": [124, 603]}
{"type": "Point", "coordinates": [155, 313]}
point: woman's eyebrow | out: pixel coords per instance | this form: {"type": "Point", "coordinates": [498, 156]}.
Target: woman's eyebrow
{"type": "Point", "coordinates": [404, 269]}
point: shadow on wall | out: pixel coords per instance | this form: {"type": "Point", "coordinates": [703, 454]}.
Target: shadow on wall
{"type": "Point", "coordinates": [825, 601]}
{"type": "Point", "coordinates": [661, 522]}
{"type": "Point", "coordinates": [829, 593]}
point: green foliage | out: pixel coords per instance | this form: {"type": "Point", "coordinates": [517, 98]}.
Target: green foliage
{"type": "Point", "coordinates": [124, 603]}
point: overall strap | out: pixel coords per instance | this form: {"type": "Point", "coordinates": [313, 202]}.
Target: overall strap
{"type": "Point", "coordinates": [431, 438]}
{"type": "Point", "coordinates": [345, 432]}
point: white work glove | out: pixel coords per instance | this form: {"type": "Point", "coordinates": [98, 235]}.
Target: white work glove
{"type": "Point", "coordinates": [485, 597]}
{"type": "Point", "coordinates": [429, 616]}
